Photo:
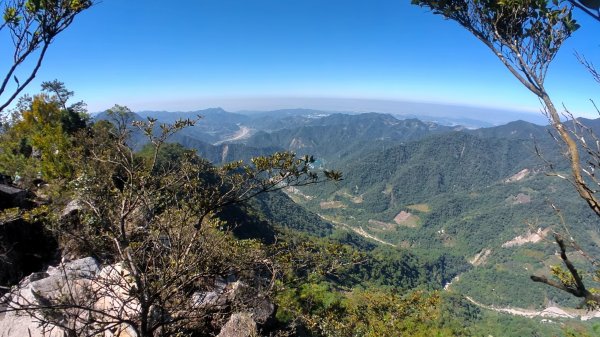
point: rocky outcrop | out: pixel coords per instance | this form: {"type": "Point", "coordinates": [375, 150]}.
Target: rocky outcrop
{"type": "Point", "coordinates": [71, 209]}
{"type": "Point", "coordinates": [529, 237]}
{"type": "Point", "coordinates": [5, 179]}
{"type": "Point", "coordinates": [263, 312]}
{"type": "Point", "coordinates": [11, 196]}
{"type": "Point", "coordinates": [16, 325]}
{"type": "Point", "coordinates": [480, 258]}
{"type": "Point", "coordinates": [27, 248]}
{"type": "Point", "coordinates": [227, 291]}
{"type": "Point", "coordinates": [103, 293]}
{"type": "Point", "coordinates": [80, 284]}
{"type": "Point", "coordinates": [519, 199]}
{"type": "Point", "coordinates": [25, 244]}
{"type": "Point", "coordinates": [32, 292]}
{"type": "Point", "coordinates": [239, 325]}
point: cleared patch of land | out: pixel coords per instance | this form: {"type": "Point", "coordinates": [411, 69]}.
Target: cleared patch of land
{"type": "Point", "coordinates": [331, 204]}
{"type": "Point", "coordinates": [296, 191]}
{"type": "Point", "coordinates": [518, 176]}
{"type": "Point", "coordinates": [519, 199]}
{"type": "Point", "coordinates": [424, 208]}
{"type": "Point", "coordinates": [356, 199]}
{"type": "Point", "coordinates": [381, 226]}
{"type": "Point", "coordinates": [529, 237]}
{"type": "Point", "coordinates": [407, 219]}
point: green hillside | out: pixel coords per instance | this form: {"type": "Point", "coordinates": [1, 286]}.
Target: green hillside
{"type": "Point", "coordinates": [341, 136]}
{"type": "Point", "coordinates": [460, 194]}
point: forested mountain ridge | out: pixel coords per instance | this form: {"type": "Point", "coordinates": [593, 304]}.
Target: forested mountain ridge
{"type": "Point", "coordinates": [341, 135]}
{"type": "Point", "coordinates": [465, 194]}
{"type": "Point", "coordinates": [420, 205]}
{"type": "Point", "coordinates": [444, 179]}
{"type": "Point", "coordinates": [324, 135]}
{"type": "Point", "coordinates": [455, 161]}
{"type": "Point", "coordinates": [161, 209]}
{"type": "Point", "coordinates": [514, 130]}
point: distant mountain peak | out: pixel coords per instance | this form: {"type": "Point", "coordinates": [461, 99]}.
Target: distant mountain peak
{"type": "Point", "coordinates": [214, 110]}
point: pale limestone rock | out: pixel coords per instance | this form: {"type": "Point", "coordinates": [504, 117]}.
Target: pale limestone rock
{"type": "Point", "coordinates": [239, 325]}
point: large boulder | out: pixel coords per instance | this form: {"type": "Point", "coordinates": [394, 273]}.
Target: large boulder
{"type": "Point", "coordinates": [11, 196]}
{"type": "Point", "coordinates": [239, 325]}
{"type": "Point", "coordinates": [5, 179]}
{"type": "Point", "coordinates": [263, 312]}
{"type": "Point", "coordinates": [80, 282]}
{"type": "Point", "coordinates": [27, 248]}
{"type": "Point", "coordinates": [82, 285]}
{"type": "Point", "coordinates": [13, 324]}
{"type": "Point", "coordinates": [71, 209]}
{"type": "Point", "coordinates": [228, 291]}
{"type": "Point", "coordinates": [33, 291]}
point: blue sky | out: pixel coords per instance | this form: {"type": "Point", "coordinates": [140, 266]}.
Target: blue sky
{"type": "Point", "coordinates": [258, 54]}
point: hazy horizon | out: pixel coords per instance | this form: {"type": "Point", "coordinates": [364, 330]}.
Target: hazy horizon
{"type": "Point", "coordinates": [446, 113]}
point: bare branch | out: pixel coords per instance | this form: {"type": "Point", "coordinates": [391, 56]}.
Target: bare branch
{"type": "Point", "coordinates": [574, 285]}
{"type": "Point", "coordinates": [595, 15]}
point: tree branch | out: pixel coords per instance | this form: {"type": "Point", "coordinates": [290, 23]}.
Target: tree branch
{"type": "Point", "coordinates": [578, 289]}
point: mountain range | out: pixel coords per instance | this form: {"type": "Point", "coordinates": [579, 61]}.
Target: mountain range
{"type": "Point", "coordinates": [443, 192]}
